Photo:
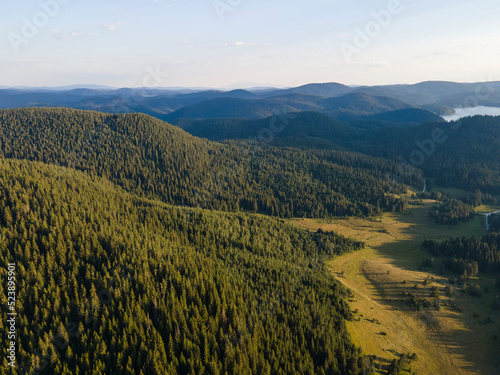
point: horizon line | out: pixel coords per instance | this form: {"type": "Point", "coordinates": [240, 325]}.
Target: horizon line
{"type": "Point", "coordinates": [95, 86]}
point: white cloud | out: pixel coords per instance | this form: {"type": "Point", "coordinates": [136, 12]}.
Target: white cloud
{"type": "Point", "coordinates": [64, 35]}
{"type": "Point", "coordinates": [112, 26]}
{"type": "Point", "coordinates": [240, 44]}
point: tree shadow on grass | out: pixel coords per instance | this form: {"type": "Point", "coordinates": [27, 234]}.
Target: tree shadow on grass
{"type": "Point", "coordinates": [404, 250]}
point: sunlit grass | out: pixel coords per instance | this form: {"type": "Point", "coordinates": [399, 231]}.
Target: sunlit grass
{"type": "Point", "coordinates": [391, 264]}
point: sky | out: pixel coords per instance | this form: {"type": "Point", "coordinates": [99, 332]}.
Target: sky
{"type": "Point", "coordinates": [247, 43]}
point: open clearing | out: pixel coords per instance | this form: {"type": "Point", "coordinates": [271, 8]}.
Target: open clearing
{"type": "Point", "coordinates": [455, 338]}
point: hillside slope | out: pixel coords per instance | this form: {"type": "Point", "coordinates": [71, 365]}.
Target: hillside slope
{"type": "Point", "coordinates": [344, 108]}
{"type": "Point", "coordinates": [227, 108]}
{"type": "Point", "coordinates": [154, 159]}
{"type": "Point", "coordinates": [466, 155]}
{"type": "Point", "coordinates": [108, 283]}
{"type": "Point", "coordinates": [294, 125]}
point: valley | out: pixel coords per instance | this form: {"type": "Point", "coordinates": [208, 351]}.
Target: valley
{"type": "Point", "coordinates": [451, 339]}
{"type": "Point", "coordinates": [288, 242]}
{"type": "Point", "coordinates": [234, 187]}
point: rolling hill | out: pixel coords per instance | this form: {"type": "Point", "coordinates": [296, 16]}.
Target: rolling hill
{"type": "Point", "coordinates": [154, 159]}
{"type": "Point", "coordinates": [228, 108]}
{"type": "Point", "coordinates": [466, 154]}
{"type": "Point", "coordinates": [466, 158]}
{"type": "Point", "coordinates": [317, 89]}
{"type": "Point", "coordinates": [341, 102]}
{"type": "Point", "coordinates": [301, 125]}
{"type": "Point", "coordinates": [112, 283]}
{"type": "Point", "coordinates": [350, 107]}
{"type": "Point", "coordinates": [140, 248]}
{"type": "Point", "coordinates": [407, 116]}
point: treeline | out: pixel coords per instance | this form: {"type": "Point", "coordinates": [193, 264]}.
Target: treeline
{"type": "Point", "coordinates": [109, 283]}
{"type": "Point", "coordinates": [156, 160]}
{"type": "Point", "coordinates": [290, 129]}
{"type": "Point", "coordinates": [462, 154]}
{"type": "Point", "coordinates": [468, 256]}
{"type": "Point", "coordinates": [453, 211]}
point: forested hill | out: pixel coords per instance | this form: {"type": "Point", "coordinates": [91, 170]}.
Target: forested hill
{"type": "Point", "coordinates": [468, 156]}
{"type": "Point", "coordinates": [109, 283]}
{"type": "Point", "coordinates": [154, 159]}
{"type": "Point", "coordinates": [300, 127]}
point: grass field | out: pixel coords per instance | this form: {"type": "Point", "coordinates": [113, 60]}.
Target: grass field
{"type": "Point", "coordinates": [487, 208]}
{"type": "Point", "coordinates": [451, 340]}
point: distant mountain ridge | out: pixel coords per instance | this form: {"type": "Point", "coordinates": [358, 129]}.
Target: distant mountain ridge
{"type": "Point", "coordinates": [341, 102]}
{"type": "Point", "coordinates": [318, 89]}
{"type": "Point", "coordinates": [353, 106]}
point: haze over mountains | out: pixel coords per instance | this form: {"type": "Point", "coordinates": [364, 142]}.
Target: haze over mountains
{"type": "Point", "coordinates": [392, 104]}
{"type": "Point", "coordinates": [381, 121]}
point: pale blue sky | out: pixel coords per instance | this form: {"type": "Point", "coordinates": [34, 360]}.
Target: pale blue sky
{"type": "Point", "coordinates": [257, 42]}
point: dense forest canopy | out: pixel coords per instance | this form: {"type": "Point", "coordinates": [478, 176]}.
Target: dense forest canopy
{"type": "Point", "coordinates": [466, 155]}
{"type": "Point", "coordinates": [452, 211]}
{"type": "Point", "coordinates": [142, 249]}
{"type": "Point", "coordinates": [112, 283]}
{"type": "Point", "coordinates": [157, 160]}
{"type": "Point", "coordinates": [484, 252]}
{"type": "Point", "coordinates": [461, 154]}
